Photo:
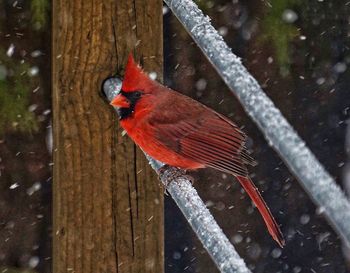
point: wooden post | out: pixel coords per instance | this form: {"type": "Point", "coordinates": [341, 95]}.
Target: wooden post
{"type": "Point", "coordinates": [108, 205]}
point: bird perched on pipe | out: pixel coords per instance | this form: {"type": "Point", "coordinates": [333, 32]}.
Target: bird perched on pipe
{"type": "Point", "coordinates": [181, 132]}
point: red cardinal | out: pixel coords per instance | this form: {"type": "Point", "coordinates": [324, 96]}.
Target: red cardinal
{"type": "Point", "coordinates": [184, 133]}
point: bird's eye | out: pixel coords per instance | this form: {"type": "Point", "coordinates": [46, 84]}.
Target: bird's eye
{"type": "Point", "coordinates": [137, 94]}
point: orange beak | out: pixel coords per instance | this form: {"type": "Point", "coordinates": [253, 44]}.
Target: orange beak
{"type": "Point", "coordinates": [120, 101]}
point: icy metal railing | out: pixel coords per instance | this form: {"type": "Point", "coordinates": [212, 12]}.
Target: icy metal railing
{"type": "Point", "coordinates": [278, 132]}
{"type": "Point", "coordinates": [202, 222]}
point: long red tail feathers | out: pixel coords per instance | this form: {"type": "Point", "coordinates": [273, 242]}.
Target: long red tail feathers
{"type": "Point", "coordinates": [255, 195]}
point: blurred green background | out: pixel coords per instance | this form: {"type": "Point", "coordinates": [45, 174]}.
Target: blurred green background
{"type": "Point", "coordinates": [25, 114]}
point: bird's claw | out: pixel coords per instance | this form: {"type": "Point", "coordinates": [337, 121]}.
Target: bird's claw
{"type": "Point", "coordinates": [168, 174]}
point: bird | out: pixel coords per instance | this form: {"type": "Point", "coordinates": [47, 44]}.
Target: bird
{"type": "Point", "coordinates": [184, 133]}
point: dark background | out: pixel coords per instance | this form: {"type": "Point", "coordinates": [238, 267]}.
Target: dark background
{"type": "Point", "coordinates": [299, 53]}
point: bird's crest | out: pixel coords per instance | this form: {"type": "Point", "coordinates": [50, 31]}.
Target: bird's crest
{"type": "Point", "coordinates": [134, 78]}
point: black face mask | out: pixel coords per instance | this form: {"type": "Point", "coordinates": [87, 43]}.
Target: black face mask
{"type": "Point", "coordinates": [133, 98]}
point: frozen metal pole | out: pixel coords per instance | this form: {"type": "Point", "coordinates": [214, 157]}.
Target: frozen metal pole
{"type": "Point", "coordinates": [278, 132]}
{"type": "Point", "coordinates": [202, 222]}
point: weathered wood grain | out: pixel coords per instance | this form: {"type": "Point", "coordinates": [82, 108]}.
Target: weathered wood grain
{"type": "Point", "coordinates": [108, 205]}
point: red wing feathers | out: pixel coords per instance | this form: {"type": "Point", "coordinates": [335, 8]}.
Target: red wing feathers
{"type": "Point", "coordinates": [204, 136]}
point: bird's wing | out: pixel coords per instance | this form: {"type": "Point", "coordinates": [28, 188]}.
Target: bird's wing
{"type": "Point", "coordinates": [204, 136]}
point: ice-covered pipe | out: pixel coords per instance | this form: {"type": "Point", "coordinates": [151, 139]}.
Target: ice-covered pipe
{"type": "Point", "coordinates": [279, 133]}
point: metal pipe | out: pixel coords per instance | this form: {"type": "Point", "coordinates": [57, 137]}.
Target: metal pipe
{"type": "Point", "coordinates": [320, 186]}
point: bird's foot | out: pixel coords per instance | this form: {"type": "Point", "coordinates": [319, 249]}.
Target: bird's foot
{"type": "Point", "coordinates": [169, 174]}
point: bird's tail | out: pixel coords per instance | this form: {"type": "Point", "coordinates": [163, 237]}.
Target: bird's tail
{"type": "Point", "coordinates": [259, 202]}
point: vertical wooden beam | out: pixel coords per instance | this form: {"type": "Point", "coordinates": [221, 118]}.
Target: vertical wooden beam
{"type": "Point", "coordinates": [108, 205]}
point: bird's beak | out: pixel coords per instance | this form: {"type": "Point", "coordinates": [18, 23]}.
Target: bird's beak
{"type": "Point", "coordinates": [120, 101]}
